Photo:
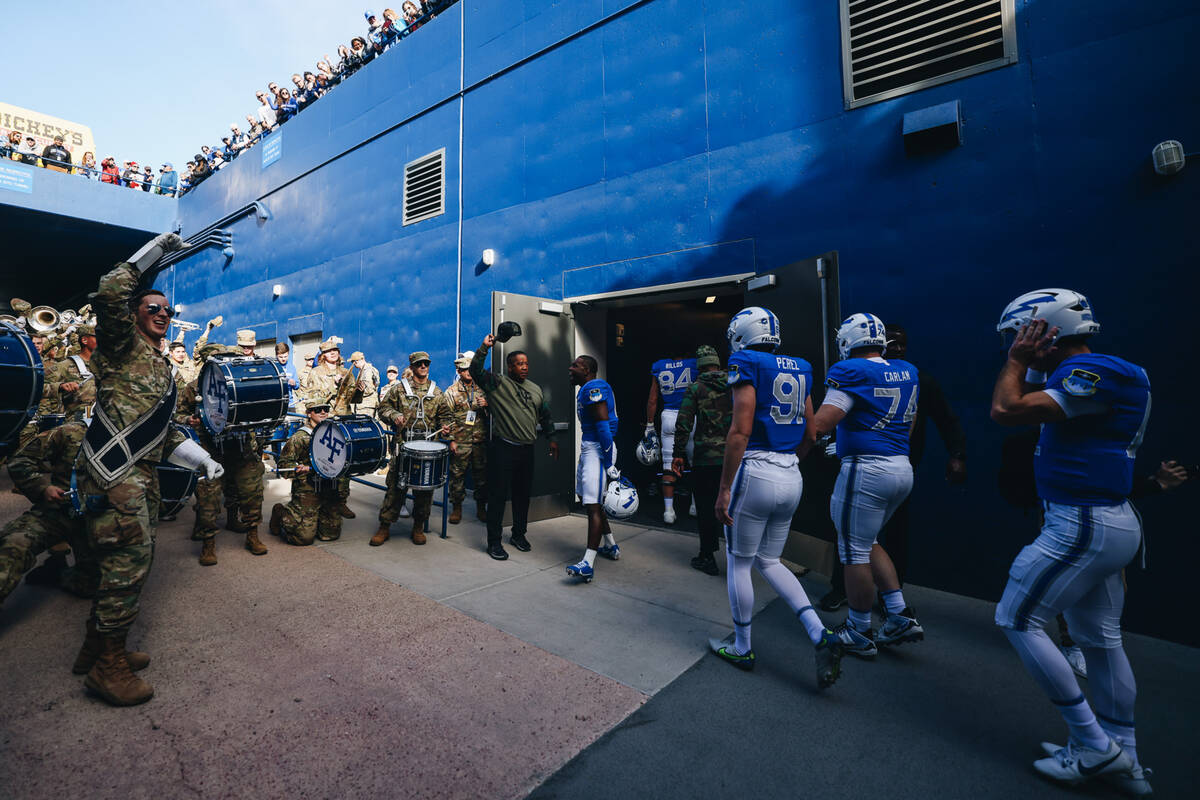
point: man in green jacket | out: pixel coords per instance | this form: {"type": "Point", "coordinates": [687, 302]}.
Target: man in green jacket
{"type": "Point", "coordinates": [517, 407]}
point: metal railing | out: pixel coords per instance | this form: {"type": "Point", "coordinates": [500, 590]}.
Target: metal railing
{"type": "Point", "coordinates": [79, 169]}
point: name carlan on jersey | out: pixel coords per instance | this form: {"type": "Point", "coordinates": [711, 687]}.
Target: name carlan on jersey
{"type": "Point", "coordinates": [903, 375]}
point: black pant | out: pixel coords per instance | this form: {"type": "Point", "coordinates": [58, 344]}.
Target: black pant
{"type": "Point", "coordinates": [510, 471]}
{"type": "Point", "coordinates": [894, 538]}
{"type": "Point", "coordinates": [706, 483]}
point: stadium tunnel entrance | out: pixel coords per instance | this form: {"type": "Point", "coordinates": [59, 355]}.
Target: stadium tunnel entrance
{"type": "Point", "coordinates": [627, 331]}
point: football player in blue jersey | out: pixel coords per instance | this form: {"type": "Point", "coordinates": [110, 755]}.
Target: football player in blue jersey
{"type": "Point", "coordinates": [669, 380]}
{"type": "Point", "coordinates": [761, 483]}
{"type": "Point", "coordinates": [1093, 410]}
{"type": "Point", "coordinates": [597, 409]}
{"type": "Point", "coordinates": [872, 402]}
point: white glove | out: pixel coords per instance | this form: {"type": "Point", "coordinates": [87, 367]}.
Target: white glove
{"type": "Point", "coordinates": [613, 473]}
{"type": "Point", "coordinates": [155, 249]}
{"type": "Point", "coordinates": [191, 455]}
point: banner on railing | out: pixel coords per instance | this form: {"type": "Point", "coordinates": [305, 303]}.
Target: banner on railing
{"type": "Point", "coordinates": [43, 128]}
{"type": "Point", "coordinates": [16, 179]}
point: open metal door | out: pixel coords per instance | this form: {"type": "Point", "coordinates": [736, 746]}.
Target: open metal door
{"type": "Point", "coordinates": [548, 339]}
{"type": "Point", "coordinates": [804, 296]}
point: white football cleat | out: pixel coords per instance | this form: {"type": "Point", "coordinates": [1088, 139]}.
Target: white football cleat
{"type": "Point", "coordinates": [1076, 660]}
{"type": "Point", "coordinates": [1077, 763]}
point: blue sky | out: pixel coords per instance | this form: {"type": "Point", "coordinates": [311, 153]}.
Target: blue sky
{"type": "Point", "coordinates": [154, 81]}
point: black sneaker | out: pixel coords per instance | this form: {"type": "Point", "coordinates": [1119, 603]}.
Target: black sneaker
{"type": "Point", "coordinates": [832, 601]}
{"type": "Point", "coordinates": [519, 541]}
{"type": "Point", "coordinates": [706, 563]}
{"type": "Point", "coordinates": [497, 551]}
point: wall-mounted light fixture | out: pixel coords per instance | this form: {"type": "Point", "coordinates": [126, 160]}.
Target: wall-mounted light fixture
{"type": "Point", "coordinates": [712, 298]}
{"type": "Point", "coordinates": [1168, 157]}
{"type": "Point", "coordinates": [489, 257]}
{"type": "Point", "coordinates": [277, 290]}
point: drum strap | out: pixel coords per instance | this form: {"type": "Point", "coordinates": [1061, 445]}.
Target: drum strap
{"type": "Point", "coordinates": [408, 390]}
{"type": "Point", "coordinates": [111, 452]}
{"type": "Point", "coordinates": [81, 365]}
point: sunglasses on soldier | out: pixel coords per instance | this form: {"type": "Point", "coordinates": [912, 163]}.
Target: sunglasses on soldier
{"type": "Point", "coordinates": [155, 308]}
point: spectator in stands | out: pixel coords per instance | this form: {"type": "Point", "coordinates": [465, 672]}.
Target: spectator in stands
{"type": "Point", "coordinates": [28, 151]}
{"type": "Point", "coordinates": [11, 146]}
{"type": "Point", "coordinates": [359, 53]}
{"type": "Point", "coordinates": [287, 107]}
{"type": "Point", "coordinates": [147, 179]}
{"type": "Point", "coordinates": [237, 139]}
{"type": "Point", "coordinates": [55, 156]}
{"type": "Point", "coordinates": [200, 169]}
{"type": "Point", "coordinates": [266, 110]}
{"type": "Point", "coordinates": [88, 167]}
{"type": "Point", "coordinates": [374, 26]}
{"type": "Point", "coordinates": [109, 172]}
{"type": "Point", "coordinates": [218, 160]}
{"type": "Point", "coordinates": [168, 180]}
{"type": "Point", "coordinates": [313, 90]}
{"type": "Point", "coordinates": [130, 176]}
{"type": "Point", "coordinates": [392, 26]}
{"type": "Point", "coordinates": [325, 70]}
{"type": "Point", "coordinates": [205, 153]}
{"type": "Point", "coordinates": [412, 14]}
{"type": "Point", "coordinates": [254, 132]}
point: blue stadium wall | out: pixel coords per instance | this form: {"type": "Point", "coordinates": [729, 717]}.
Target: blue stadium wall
{"type": "Point", "coordinates": [593, 132]}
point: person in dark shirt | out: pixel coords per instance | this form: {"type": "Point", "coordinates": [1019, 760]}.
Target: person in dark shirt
{"type": "Point", "coordinates": [56, 157]}
{"type": "Point", "coordinates": [931, 403]}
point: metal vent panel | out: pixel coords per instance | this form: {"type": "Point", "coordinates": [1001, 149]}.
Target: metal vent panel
{"type": "Point", "coordinates": [893, 47]}
{"type": "Point", "coordinates": [425, 187]}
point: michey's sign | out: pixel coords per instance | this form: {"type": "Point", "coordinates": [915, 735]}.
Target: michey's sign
{"type": "Point", "coordinates": [43, 128]}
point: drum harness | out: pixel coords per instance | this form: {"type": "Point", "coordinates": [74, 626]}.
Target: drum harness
{"type": "Point", "coordinates": [110, 452]}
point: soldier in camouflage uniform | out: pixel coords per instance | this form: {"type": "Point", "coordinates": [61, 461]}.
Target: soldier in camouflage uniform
{"type": "Point", "coordinates": [708, 408]}
{"type": "Point", "coordinates": [368, 385]}
{"type": "Point", "coordinates": [242, 483]}
{"type": "Point", "coordinates": [76, 383]}
{"type": "Point", "coordinates": [322, 382]}
{"type": "Point", "coordinates": [136, 397]}
{"type": "Point", "coordinates": [50, 402]}
{"type": "Point", "coordinates": [42, 472]}
{"type": "Point", "coordinates": [312, 512]}
{"type": "Point", "coordinates": [413, 408]}
{"type": "Point", "coordinates": [182, 367]}
{"type": "Point", "coordinates": [467, 405]}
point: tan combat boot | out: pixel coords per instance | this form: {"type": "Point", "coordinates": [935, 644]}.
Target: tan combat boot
{"type": "Point", "coordinates": [91, 650]}
{"type": "Point", "coordinates": [208, 552]}
{"type": "Point", "coordinates": [275, 526]}
{"type": "Point", "coordinates": [481, 510]}
{"type": "Point", "coordinates": [111, 678]}
{"type": "Point", "coordinates": [418, 532]}
{"type": "Point", "coordinates": [381, 535]}
{"type": "Point", "coordinates": [345, 511]}
{"type": "Point", "coordinates": [455, 514]}
{"type": "Point", "coordinates": [254, 545]}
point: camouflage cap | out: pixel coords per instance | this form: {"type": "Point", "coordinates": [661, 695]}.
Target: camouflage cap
{"type": "Point", "coordinates": [464, 360]}
{"type": "Point", "coordinates": [707, 356]}
{"type": "Point", "coordinates": [314, 403]}
{"type": "Point", "coordinates": [420, 355]}
{"type": "Point", "coordinates": [356, 355]}
{"type": "Point", "coordinates": [246, 338]}
{"type": "Point", "coordinates": [85, 330]}
{"type": "Point", "coordinates": [393, 368]}
{"type": "Point", "coordinates": [329, 344]}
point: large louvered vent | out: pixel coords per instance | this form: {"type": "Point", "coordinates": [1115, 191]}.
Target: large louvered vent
{"type": "Point", "coordinates": [425, 187]}
{"type": "Point", "coordinates": [892, 47]}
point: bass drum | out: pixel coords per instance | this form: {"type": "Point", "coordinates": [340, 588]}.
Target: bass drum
{"type": "Point", "coordinates": [175, 483]}
{"type": "Point", "coordinates": [21, 377]}
{"type": "Point", "coordinates": [241, 394]}
{"type": "Point", "coordinates": [423, 464]}
{"type": "Point", "coordinates": [344, 446]}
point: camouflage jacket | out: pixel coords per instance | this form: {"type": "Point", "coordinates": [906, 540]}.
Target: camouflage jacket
{"type": "Point", "coordinates": [459, 399]}
{"type": "Point", "coordinates": [423, 407]}
{"type": "Point", "coordinates": [47, 461]}
{"type": "Point", "coordinates": [368, 379]}
{"type": "Point", "coordinates": [708, 407]}
{"type": "Point", "coordinates": [321, 383]}
{"type": "Point", "coordinates": [131, 374]}
{"type": "Point", "coordinates": [296, 452]}
{"type": "Point", "coordinates": [83, 397]}
{"type": "Point", "coordinates": [50, 403]}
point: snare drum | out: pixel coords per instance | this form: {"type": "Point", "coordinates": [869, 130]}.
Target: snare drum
{"type": "Point", "coordinates": [344, 446]}
{"type": "Point", "coordinates": [279, 436]}
{"type": "Point", "coordinates": [423, 465]}
{"type": "Point", "coordinates": [21, 377]}
{"type": "Point", "coordinates": [242, 394]}
{"type": "Point", "coordinates": [47, 422]}
{"type": "Point", "coordinates": [175, 483]}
